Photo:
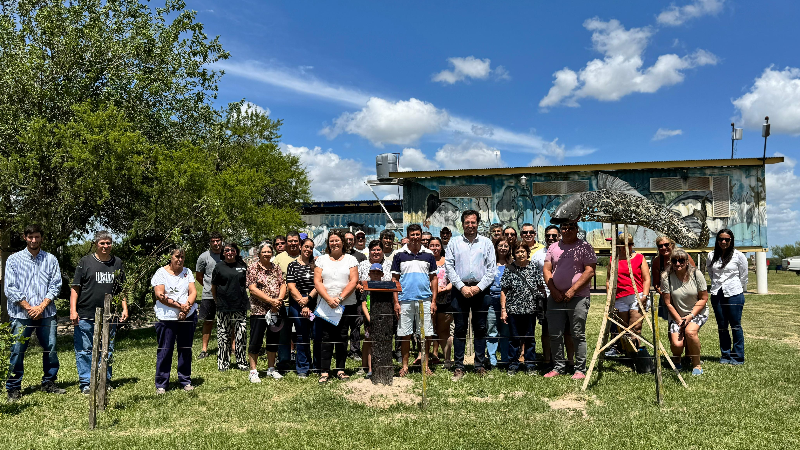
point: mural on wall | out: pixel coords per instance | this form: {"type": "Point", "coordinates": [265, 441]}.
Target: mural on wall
{"type": "Point", "coordinates": [734, 198]}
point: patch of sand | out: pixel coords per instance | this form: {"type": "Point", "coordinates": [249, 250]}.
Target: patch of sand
{"type": "Point", "coordinates": [379, 396]}
{"type": "Point", "coordinates": [571, 403]}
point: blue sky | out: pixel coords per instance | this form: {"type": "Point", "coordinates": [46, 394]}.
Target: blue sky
{"type": "Point", "coordinates": [481, 84]}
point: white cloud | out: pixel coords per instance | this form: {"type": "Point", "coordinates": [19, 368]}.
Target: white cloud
{"type": "Point", "coordinates": [332, 177]}
{"type": "Point", "coordinates": [540, 160]}
{"type": "Point", "coordinates": [294, 80]}
{"type": "Point", "coordinates": [664, 133]}
{"type": "Point", "coordinates": [566, 81]}
{"type": "Point", "coordinates": [783, 195]}
{"type": "Point", "coordinates": [674, 15]}
{"type": "Point", "coordinates": [470, 67]}
{"type": "Point", "coordinates": [468, 155]}
{"type": "Point", "coordinates": [412, 159]}
{"type": "Point", "coordinates": [620, 72]}
{"type": "Point", "coordinates": [384, 122]}
{"type": "Point", "coordinates": [299, 82]}
{"type": "Point", "coordinates": [250, 106]}
{"type": "Point", "coordinates": [775, 94]}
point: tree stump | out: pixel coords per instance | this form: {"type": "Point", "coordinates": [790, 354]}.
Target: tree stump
{"type": "Point", "coordinates": [382, 313]}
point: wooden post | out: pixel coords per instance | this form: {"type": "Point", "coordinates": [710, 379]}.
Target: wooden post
{"type": "Point", "coordinates": [93, 379]}
{"type": "Point", "coordinates": [381, 313]}
{"type": "Point", "coordinates": [659, 398]}
{"type": "Point", "coordinates": [423, 349]}
{"type": "Point", "coordinates": [106, 331]}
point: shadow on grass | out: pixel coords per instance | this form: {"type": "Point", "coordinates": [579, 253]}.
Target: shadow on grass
{"type": "Point", "coordinates": [13, 409]}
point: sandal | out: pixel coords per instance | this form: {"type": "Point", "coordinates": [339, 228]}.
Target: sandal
{"type": "Point", "coordinates": [323, 379]}
{"type": "Point", "coordinates": [403, 372]}
{"type": "Point", "coordinates": [342, 376]}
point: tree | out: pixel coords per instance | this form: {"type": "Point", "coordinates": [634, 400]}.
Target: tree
{"type": "Point", "coordinates": [780, 252]}
{"type": "Point", "coordinates": [107, 120]}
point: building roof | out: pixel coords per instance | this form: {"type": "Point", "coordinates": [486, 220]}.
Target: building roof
{"type": "Point", "coordinates": [737, 162]}
{"type": "Point", "coordinates": [355, 206]}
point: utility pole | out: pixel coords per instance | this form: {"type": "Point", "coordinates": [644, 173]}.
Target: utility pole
{"type": "Point", "coordinates": [765, 135]}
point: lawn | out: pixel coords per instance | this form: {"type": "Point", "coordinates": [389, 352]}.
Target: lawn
{"type": "Point", "coordinates": [755, 405]}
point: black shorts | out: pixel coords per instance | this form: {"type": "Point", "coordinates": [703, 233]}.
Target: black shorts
{"type": "Point", "coordinates": [259, 329]}
{"type": "Point", "coordinates": [207, 310]}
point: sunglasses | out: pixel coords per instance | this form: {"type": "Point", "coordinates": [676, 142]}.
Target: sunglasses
{"type": "Point", "coordinates": [724, 239]}
{"type": "Point", "coordinates": [552, 236]}
{"type": "Point", "coordinates": [663, 245]}
{"type": "Point", "coordinates": [568, 227]}
{"type": "Point", "coordinates": [678, 260]}
{"type": "Point", "coordinates": [511, 234]}
{"type": "Point", "coordinates": [528, 232]}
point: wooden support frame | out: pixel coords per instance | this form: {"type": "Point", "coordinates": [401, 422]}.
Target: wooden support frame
{"type": "Point", "coordinates": [602, 339]}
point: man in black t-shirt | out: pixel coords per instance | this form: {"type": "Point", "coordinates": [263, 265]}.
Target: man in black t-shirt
{"type": "Point", "coordinates": [97, 274]}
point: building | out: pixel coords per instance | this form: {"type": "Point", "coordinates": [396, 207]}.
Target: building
{"type": "Point", "coordinates": [733, 191]}
{"type": "Point", "coordinates": [366, 215]}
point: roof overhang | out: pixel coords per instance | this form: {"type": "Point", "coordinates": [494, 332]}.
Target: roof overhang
{"type": "Point", "coordinates": [737, 162]}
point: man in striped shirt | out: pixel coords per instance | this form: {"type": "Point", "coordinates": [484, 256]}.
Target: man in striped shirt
{"type": "Point", "coordinates": [415, 268]}
{"type": "Point", "coordinates": [32, 283]}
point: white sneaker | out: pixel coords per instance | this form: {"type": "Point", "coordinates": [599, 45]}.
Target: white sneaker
{"type": "Point", "coordinates": [254, 377]}
{"type": "Point", "coordinates": [271, 372]}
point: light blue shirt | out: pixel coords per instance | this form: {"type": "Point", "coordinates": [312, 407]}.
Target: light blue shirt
{"type": "Point", "coordinates": [31, 279]}
{"type": "Point", "coordinates": [470, 261]}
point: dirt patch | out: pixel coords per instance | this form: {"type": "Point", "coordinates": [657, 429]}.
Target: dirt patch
{"type": "Point", "coordinates": [379, 396]}
{"type": "Point", "coordinates": [572, 403]}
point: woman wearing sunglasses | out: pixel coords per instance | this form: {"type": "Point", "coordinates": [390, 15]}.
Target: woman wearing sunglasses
{"type": "Point", "coordinates": [626, 303]}
{"type": "Point", "coordinates": [728, 270]}
{"type": "Point", "coordinates": [660, 266]}
{"type": "Point", "coordinates": [685, 295]}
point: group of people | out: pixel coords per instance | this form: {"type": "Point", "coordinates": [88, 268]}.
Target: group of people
{"type": "Point", "coordinates": [504, 285]}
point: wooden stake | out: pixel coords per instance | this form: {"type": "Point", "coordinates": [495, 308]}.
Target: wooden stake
{"type": "Point", "coordinates": [102, 380]}
{"type": "Point", "coordinates": [659, 398]}
{"type": "Point", "coordinates": [93, 379]}
{"type": "Point", "coordinates": [610, 294]}
{"type": "Point", "coordinates": [424, 350]}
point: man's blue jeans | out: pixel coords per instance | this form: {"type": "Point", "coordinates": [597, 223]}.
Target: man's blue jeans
{"type": "Point", "coordinates": [45, 330]}
{"type": "Point", "coordinates": [728, 312]}
{"type": "Point", "coordinates": [461, 308]}
{"type": "Point", "coordinates": [82, 339]}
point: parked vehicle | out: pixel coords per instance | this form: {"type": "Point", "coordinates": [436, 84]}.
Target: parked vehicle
{"type": "Point", "coordinates": [792, 264]}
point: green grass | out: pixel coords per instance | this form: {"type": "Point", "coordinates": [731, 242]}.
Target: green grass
{"type": "Point", "coordinates": [752, 406]}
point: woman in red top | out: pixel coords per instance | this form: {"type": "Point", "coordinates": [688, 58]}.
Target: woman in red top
{"type": "Point", "coordinates": [626, 304]}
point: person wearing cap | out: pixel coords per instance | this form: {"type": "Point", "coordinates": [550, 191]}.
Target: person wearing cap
{"type": "Point", "coordinates": [375, 273]}
{"type": "Point", "coordinates": [626, 303]}
{"type": "Point", "coordinates": [568, 267]}
{"type": "Point", "coordinates": [267, 290]}
{"type": "Point", "coordinates": [361, 243]}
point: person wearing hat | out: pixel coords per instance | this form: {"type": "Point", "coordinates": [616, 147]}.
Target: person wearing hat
{"type": "Point", "coordinates": [375, 274]}
{"type": "Point", "coordinates": [361, 243]}
{"type": "Point", "coordinates": [267, 290]}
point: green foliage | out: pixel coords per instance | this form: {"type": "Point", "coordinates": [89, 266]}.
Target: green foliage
{"type": "Point", "coordinates": [779, 252]}
{"type": "Point", "coordinates": [7, 339]}
{"type": "Point", "coordinates": [91, 89]}
{"type": "Point", "coordinates": [106, 121]}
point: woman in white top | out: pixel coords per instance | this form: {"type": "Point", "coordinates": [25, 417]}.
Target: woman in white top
{"type": "Point", "coordinates": [683, 289]}
{"type": "Point", "coordinates": [176, 312]}
{"type": "Point", "coordinates": [335, 278]}
{"type": "Point", "coordinates": [728, 270]}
